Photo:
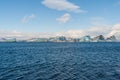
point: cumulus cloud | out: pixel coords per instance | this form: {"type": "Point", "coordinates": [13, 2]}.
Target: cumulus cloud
{"type": "Point", "coordinates": [64, 18]}
{"type": "Point", "coordinates": [62, 5]}
{"type": "Point", "coordinates": [14, 33]}
{"type": "Point", "coordinates": [93, 31]}
{"type": "Point", "coordinates": [115, 30]}
{"type": "Point", "coordinates": [98, 30]}
{"type": "Point", "coordinates": [71, 33]}
{"type": "Point", "coordinates": [26, 19]}
{"type": "Point", "coordinates": [24, 35]}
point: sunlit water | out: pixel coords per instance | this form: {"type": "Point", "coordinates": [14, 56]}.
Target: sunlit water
{"type": "Point", "coordinates": [59, 61]}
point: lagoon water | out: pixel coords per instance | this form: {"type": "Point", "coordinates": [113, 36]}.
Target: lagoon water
{"type": "Point", "coordinates": [59, 61]}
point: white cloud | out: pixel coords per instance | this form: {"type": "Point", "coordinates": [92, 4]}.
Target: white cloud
{"type": "Point", "coordinates": [23, 35]}
{"type": "Point", "coordinates": [62, 5]}
{"type": "Point", "coordinates": [64, 18]}
{"type": "Point", "coordinates": [14, 33]}
{"type": "Point", "coordinates": [26, 19]}
{"type": "Point", "coordinates": [93, 31]}
{"type": "Point", "coordinates": [72, 33]}
{"type": "Point", "coordinates": [115, 30]}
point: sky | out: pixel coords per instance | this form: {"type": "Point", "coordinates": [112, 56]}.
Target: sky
{"type": "Point", "coordinates": [59, 17]}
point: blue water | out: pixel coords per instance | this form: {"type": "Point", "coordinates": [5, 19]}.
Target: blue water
{"type": "Point", "coordinates": [59, 61]}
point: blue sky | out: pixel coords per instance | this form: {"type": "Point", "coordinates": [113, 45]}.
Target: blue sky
{"type": "Point", "coordinates": [57, 15]}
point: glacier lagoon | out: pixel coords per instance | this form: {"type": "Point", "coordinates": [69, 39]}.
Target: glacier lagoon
{"type": "Point", "coordinates": [60, 61]}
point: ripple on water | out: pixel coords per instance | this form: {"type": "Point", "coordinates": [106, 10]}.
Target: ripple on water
{"type": "Point", "coordinates": [59, 61]}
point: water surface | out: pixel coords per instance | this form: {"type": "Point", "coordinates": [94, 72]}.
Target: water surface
{"type": "Point", "coordinates": [59, 61]}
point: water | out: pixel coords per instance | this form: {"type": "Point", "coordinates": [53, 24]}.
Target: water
{"type": "Point", "coordinates": [59, 61]}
